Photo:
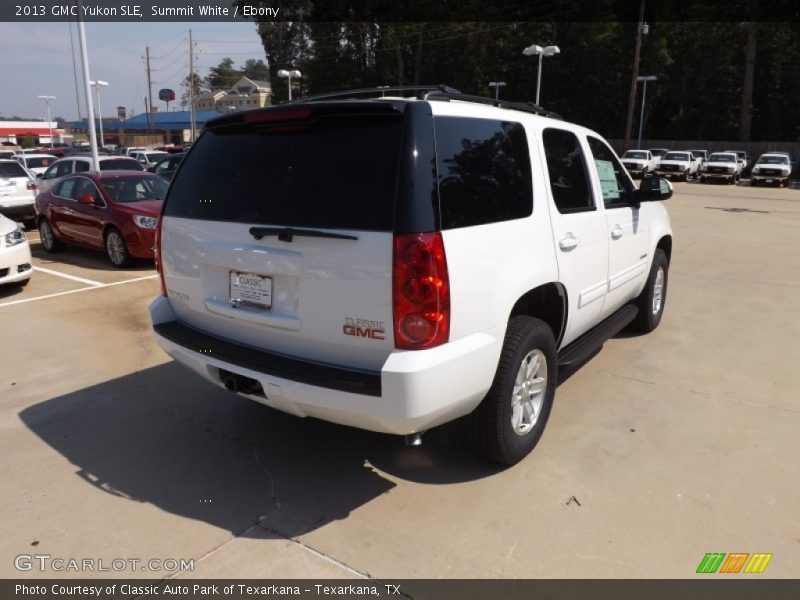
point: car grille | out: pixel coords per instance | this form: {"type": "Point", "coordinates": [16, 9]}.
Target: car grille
{"type": "Point", "coordinates": [770, 172]}
{"type": "Point", "coordinates": [632, 166]}
{"type": "Point", "coordinates": [670, 167]}
{"type": "Point", "coordinates": [718, 169]}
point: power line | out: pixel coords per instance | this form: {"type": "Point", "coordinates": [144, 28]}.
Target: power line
{"type": "Point", "coordinates": [170, 52]}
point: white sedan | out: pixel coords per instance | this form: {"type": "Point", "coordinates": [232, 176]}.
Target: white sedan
{"type": "Point", "coordinates": [36, 163]}
{"type": "Point", "coordinates": [15, 254]}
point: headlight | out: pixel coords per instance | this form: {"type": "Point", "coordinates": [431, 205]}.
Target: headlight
{"type": "Point", "coordinates": [145, 222]}
{"type": "Point", "coordinates": [756, 170]}
{"type": "Point", "coordinates": [731, 169]}
{"type": "Point", "coordinates": [15, 237]}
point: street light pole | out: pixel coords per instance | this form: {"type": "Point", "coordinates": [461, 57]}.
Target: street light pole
{"type": "Point", "coordinates": [497, 85]}
{"type": "Point", "coordinates": [288, 74]}
{"type": "Point", "coordinates": [49, 123]}
{"type": "Point", "coordinates": [87, 89]}
{"type": "Point", "coordinates": [541, 52]}
{"type": "Point", "coordinates": [97, 85]}
{"type": "Point", "coordinates": [644, 79]}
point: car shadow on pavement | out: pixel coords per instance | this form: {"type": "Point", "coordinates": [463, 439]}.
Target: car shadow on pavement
{"type": "Point", "coordinates": [85, 258]}
{"type": "Point", "coordinates": [165, 437]}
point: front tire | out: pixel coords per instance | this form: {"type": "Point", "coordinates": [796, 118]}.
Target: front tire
{"type": "Point", "coordinates": [512, 416]}
{"type": "Point", "coordinates": [116, 249]}
{"type": "Point", "coordinates": [48, 237]}
{"type": "Point", "coordinates": [653, 298]}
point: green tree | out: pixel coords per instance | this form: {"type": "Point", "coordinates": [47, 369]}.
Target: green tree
{"type": "Point", "coordinates": [223, 76]}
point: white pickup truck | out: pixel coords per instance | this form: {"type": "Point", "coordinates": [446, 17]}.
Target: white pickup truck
{"type": "Point", "coordinates": [679, 165]}
{"type": "Point", "coordinates": [771, 168]}
{"type": "Point", "coordinates": [639, 162]}
{"type": "Point", "coordinates": [724, 166]}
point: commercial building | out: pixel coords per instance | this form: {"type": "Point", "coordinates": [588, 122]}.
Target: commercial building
{"type": "Point", "coordinates": [13, 132]}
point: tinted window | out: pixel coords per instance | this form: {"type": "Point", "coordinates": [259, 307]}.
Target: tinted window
{"type": "Point", "coordinates": [64, 168]}
{"type": "Point", "coordinates": [132, 189]}
{"type": "Point", "coordinates": [42, 161]}
{"type": "Point", "coordinates": [81, 166]}
{"type": "Point", "coordinates": [84, 186]}
{"type": "Point", "coordinates": [569, 179]}
{"type": "Point", "coordinates": [614, 183]}
{"type": "Point", "coordinates": [121, 164]}
{"type": "Point", "coordinates": [340, 173]}
{"type": "Point", "coordinates": [12, 169]}
{"type": "Point", "coordinates": [484, 171]}
{"type": "Point", "coordinates": [66, 189]}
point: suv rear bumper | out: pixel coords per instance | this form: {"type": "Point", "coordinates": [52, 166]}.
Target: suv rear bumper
{"type": "Point", "coordinates": [413, 391]}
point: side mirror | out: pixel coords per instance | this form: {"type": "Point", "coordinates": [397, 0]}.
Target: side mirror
{"type": "Point", "coordinates": [654, 189]}
{"type": "Point", "coordinates": [86, 199]}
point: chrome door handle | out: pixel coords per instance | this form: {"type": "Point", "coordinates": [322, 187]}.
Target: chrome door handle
{"type": "Point", "coordinates": [616, 232]}
{"type": "Point", "coordinates": [568, 243]}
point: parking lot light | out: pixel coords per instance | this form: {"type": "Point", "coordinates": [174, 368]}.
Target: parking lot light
{"type": "Point", "coordinates": [96, 85]}
{"type": "Point", "coordinates": [497, 85]}
{"type": "Point", "coordinates": [49, 125]}
{"type": "Point", "coordinates": [541, 52]}
{"type": "Point", "coordinates": [644, 79]}
{"type": "Point", "coordinates": [288, 74]}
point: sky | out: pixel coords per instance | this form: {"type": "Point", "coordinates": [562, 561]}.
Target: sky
{"type": "Point", "coordinates": [36, 61]}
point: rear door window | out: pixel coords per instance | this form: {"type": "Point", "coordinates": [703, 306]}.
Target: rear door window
{"type": "Point", "coordinates": [12, 169]}
{"type": "Point", "coordinates": [66, 189]}
{"type": "Point", "coordinates": [81, 166]}
{"type": "Point", "coordinates": [339, 173]}
{"type": "Point", "coordinates": [484, 171]}
{"type": "Point", "coordinates": [569, 178]}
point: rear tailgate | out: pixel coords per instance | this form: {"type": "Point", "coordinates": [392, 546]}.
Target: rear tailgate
{"type": "Point", "coordinates": [277, 233]}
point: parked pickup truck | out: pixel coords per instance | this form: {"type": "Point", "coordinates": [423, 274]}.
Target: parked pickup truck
{"type": "Point", "coordinates": [771, 168]}
{"type": "Point", "coordinates": [678, 165]}
{"type": "Point", "coordinates": [639, 162]}
{"type": "Point", "coordinates": [724, 166]}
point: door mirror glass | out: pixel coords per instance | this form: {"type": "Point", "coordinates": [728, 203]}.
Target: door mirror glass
{"type": "Point", "coordinates": [653, 189]}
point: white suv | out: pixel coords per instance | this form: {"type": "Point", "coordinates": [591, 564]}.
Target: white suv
{"type": "Point", "coordinates": [397, 263]}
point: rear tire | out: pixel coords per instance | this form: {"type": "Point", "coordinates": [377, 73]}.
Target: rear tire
{"type": "Point", "coordinates": [653, 298]}
{"type": "Point", "coordinates": [48, 237]}
{"type": "Point", "coordinates": [511, 418]}
{"type": "Point", "coordinates": [116, 249]}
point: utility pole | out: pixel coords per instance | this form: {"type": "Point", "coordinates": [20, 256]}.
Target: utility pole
{"type": "Point", "coordinates": [149, 93]}
{"type": "Point", "coordinates": [632, 97]}
{"type": "Point", "coordinates": [191, 88]}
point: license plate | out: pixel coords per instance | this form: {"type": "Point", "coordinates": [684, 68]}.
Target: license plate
{"type": "Point", "coordinates": [251, 289]}
{"type": "Point", "coordinates": [769, 180]}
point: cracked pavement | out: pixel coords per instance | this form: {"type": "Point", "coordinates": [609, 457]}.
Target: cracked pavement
{"type": "Point", "coordinates": [677, 443]}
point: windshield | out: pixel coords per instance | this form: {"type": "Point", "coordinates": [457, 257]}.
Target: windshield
{"type": "Point", "coordinates": [156, 156]}
{"type": "Point", "coordinates": [773, 160]}
{"type": "Point", "coordinates": [133, 189]}
{"type": "Point", "coordinates": [12, 169]}
{"type": "Point", "coordinates": [120, 165]}
{"type": "Point", "coordinates": [676, 156]}
{"type": "Point", "coordinates": [634, 154]}
{"type": "Point", "coordinates": [721, 158]}
{"type": "Point", "coordinates": [40, 161]}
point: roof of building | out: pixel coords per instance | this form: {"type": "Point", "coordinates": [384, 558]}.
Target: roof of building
{"type": "Point", "coordinates": [162, 121]}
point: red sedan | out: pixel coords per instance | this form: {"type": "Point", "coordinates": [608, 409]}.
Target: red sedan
{"type": "Point", "coordinates": [115, 211]}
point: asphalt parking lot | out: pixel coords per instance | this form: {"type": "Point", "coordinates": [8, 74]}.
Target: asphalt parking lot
{"type": "Point", "coordinates": [660, 448]}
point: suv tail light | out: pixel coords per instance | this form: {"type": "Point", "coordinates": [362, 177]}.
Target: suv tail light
{"type": "Point", "coordinates": [32, 185]}
{"type": "Point", "coordinates": [159, 266]}
{"type": "Point", "coordinates": [420, 291]}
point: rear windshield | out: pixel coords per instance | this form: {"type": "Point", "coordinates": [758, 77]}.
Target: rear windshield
{"type": "Point", "coordinates": [44, 161]}
{"type": "Point", "coordinates": [340, 173]}
{"type": "Point", "coordinates": [133, 189]}
{"type": "Point", "coordinates": [12, 169]}
{"type": "Point", "coordinates": [120, 164]}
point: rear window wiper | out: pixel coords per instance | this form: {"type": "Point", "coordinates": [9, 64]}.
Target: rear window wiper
{"type": "Point", "coordinates": [286, 234]}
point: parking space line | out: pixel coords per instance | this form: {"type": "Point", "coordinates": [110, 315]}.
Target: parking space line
{"type": "Point", "coordinates": [86, 289]}
{"type": "Point", "coordinates": [67, 276]}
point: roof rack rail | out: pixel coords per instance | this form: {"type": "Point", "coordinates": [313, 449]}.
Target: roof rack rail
{"type": "Point", "coordinates": [382, 90]}
{"type": "Point", "coordinates": [434, 92]}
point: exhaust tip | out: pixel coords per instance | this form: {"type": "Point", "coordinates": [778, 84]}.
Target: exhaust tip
{"type": "Point", "coordinates": [231, 384]}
